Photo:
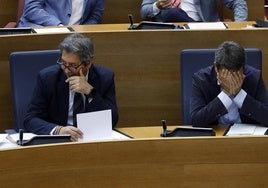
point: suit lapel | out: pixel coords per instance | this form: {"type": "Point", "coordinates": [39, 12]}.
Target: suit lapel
{"type": "Point", "coordinates": [63, 96]}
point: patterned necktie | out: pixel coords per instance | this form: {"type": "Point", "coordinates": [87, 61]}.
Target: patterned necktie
{"type": "Point", "coordinates": [176, 4]}
{"type": "Point", "coordinates": [78, 107]}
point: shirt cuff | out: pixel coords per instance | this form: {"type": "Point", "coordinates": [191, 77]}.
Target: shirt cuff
{"type": "Point", "coordinates": [156, 10]}
{"type": "Point", "coordinates": [53, 130]}
{"type": "Point", "coordinates": [225, 99]}
{"type": "Point", "coordinates": [239, 98]}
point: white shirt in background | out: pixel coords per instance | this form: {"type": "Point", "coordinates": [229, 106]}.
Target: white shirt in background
{"type": "Point", "coordinates": [77, 12]}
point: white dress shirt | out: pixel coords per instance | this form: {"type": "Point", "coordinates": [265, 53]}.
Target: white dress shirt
{"type": "Point", "coordinates": [232, 105]}
{"type": "Point", "coordinates": [77, 12]}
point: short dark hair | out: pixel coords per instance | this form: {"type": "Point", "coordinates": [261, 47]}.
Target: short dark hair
{"type": "Point", "coordinates": [78, 44]}
{"type": "Point", "coordinates": [230, 55]}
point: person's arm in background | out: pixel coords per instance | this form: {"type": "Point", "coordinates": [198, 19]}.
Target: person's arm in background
{"type": "Point", "coordinates": [93, 12]}
{"type": "Point", "coordinates": [150, 8]}
{"type": "Point", "coordinates": [239, 7]}
{"type": "Point", "coordinates": [34, 12]}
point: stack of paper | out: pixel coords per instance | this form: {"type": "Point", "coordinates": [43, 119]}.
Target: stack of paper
{"type": "Point", "coordinates": [204, 25]}
{"type": "Point", "coordinates": [246, 129]}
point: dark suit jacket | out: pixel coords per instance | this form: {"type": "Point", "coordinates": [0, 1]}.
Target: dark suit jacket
{"type": "Point", "coordinates": [50, 100]}
{"type": "Point", "coordinates": [206, 108]}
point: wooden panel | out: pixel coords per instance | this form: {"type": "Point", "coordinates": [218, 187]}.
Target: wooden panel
{"type": "Point", "coordinates": [146, 66]}
{"type": "Point", "coordinates": [180, 162]}
{"type": "Point", "coordinates": [8, 11]}
{"type": "Point", "coordinates": [116, 11]}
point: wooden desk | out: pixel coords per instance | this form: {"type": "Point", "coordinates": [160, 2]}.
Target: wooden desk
{"type": "Point", "coordinates": [155, 131]}
{"type": "Point", "coordinates": [160, 162]}
{"type": "Point", "coordinates": [146, 65]}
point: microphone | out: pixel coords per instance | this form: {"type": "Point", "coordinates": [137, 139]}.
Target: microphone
{"type": "Point", "coordinates": [131, 21]}
{"type": "Point", "coordinates": [164, 125]}
{"type": "Point", "coordinates": [21, 137]}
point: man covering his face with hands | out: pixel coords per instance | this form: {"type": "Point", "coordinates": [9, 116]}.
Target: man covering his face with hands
{"type": "Point", "coordinates": [229, 91]}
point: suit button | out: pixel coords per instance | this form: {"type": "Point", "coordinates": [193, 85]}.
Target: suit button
{"type": "Point", "coordinates": [218, 116]}
{"type": "Point", "coordinates": [249, 114]}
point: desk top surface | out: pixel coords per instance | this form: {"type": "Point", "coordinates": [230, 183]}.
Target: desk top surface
{"type": "Point", "coordinates": [155, 131]}
{"type": "Point", "coordinates": [134, 132]}
{"type": "Point", "coordinates": [124, 27]}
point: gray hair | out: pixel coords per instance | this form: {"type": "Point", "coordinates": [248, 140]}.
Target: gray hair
{"type": "Point", "coordinates": [230, 55]}
{"type": "Point", "coordinates": [78, 44]}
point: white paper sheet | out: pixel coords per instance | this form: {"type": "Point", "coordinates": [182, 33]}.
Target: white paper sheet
{"type": "Point", "coordinates": [119, 136]}
{"type": "Point", "coordinates": [205, 25]}
{"type": "Point", "coordinates": [52, 30]}
{"type": "Point", "coordinates": [95, 125]}
{"type": "Point", "coordinates": [246, 129]}
{"type": "Point", "coordinates": [5, 143]}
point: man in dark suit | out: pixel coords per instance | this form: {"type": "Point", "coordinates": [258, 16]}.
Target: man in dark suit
{"type": "Point", "coordinates": [230, 91]}
{"type": "Point", "coordinates": [52, 104]}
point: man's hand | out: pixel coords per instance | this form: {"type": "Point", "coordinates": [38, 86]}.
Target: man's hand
{"type": "Point", "coordinates": [73, 131]}
{"type": "Point", "coordinates": [164, 4]}
{"type": "Point", "coordinates": [230, 81]}
{"type": "Point", "coordinates": [224, 78]}
{"type": "Point", "coordinates": [237, 79]}
{"type": "Point", "coordinates": [79, 84]}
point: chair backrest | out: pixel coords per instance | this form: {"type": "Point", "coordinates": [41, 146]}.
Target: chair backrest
{"type": "Point", "coordinates": [24, 67]}
{"type": "Point", "coordinates": [194, 59]}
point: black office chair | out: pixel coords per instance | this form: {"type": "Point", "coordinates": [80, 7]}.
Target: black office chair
{"type": "Point", "coordinates": [24, 67]}
{"type": "Point", "coordinates": [194, 59]}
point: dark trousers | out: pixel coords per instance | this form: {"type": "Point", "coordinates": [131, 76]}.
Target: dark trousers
{"type": "Point", "coordinates": [173, 15]}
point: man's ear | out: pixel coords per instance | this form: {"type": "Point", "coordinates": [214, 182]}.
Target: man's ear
{"type": "Point", "coordinates": [89, 63]}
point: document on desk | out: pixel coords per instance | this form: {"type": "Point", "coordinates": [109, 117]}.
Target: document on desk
{"type": "Point", "coordinates": [5, 143]}
{"type": "Point", "coordinates": [15, 137]}
{"type": "Point", "coordinates": [246, 129]}
{"type": "Point", "coordinates": [204, 25]}
{"type": "Point", "coordinates": [46, 30]}
{"type": "Point", "coordinates": [97, 126]}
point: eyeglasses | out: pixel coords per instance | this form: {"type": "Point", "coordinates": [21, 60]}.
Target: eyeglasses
{"type": "Point", "coordinates": [71, 67]}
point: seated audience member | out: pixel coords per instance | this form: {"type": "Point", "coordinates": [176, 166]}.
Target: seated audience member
{"type": "Point", "coordinates": [52, 109]}
{"type": "Point", "coordinates": [229, 91]}
{"type": "Point", "coordinates": [190, 10]}
{"type": "Point", "coordinates": [61, 12]}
